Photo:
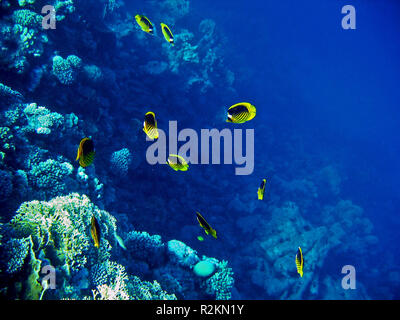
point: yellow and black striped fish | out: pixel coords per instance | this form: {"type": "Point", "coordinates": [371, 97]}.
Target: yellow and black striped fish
{"type": "Point", "coordinates": [167, 33]}
{"type": "Point", "coordinates": [241, 112]}
{"type": "Point", "coordinates": [144, 23]}
{"type": "Point", "coordinates": [86, 152]}
{"type": "Point", "coordinates": [261, 190]}
{"type": "Point", "coordinates": [177, 162]}
{"type": "Point", "coordinates": [150, 125]}
{"type": "Point", "coordinates": [299, 262]}
{"type": "Point", "coordinates": [95, 231]}
{"type": "Point", "coordinates": [204, 224]}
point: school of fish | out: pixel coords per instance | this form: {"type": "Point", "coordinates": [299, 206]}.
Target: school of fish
{"type": "Point", "coordinates": [238, 113]}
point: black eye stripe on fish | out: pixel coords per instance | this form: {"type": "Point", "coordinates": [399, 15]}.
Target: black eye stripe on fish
{"type": "Point", "coordinates": [86, 152]}
{"type": "Point", "coordinates": [204, 224]}
{"type": "Point", "coordinates": [168, 32]}
{"type": "Point", "coordinates": [150, 125]}
{"type": "Point", "coordinates": [241, 112]}
{"type": "Point", "coordinates": [88, 146]}
{"type": "Point", "coordinates": [144, 23]}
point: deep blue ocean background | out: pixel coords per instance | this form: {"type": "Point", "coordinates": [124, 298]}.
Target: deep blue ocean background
{"type": "Point", "coordinates": [336, 90]}
{"type": "Point", "coordinates": [326, 138]}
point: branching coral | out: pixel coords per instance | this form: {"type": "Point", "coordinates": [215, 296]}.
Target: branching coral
{"type": "Point", "coordinates": [6, 137]}
{"type": "Point", "coordinates": [61, 228]}
{"type": "Point", "coordinates": [27, 18]}
{"type": "Point", "coordinates": [22, 40]}
{"type": "Point", "coordinates": [16, 252]}
{"type": "Point", "coordinates": [41, 120]}
{"type": "Point", "coordinates": [50, 175]}
{"type": "Point", "coordinates": [111, 281]}
{"type": "Point", "coordinates": [142, 246]}
{"type": "Point", "coordinates": [181, 254]}
{"type": "Point", "coordinates": [120, 161]}
{"type": "Point", "coordinates": [145, 290]}
{"type": "Point", "coordinates": [66, 70]}
{"type": "Point", "coordinates": [221, 283]}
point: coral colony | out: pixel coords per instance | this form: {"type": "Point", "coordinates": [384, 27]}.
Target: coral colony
{"type": "Point", "coordinates": [92, 74]}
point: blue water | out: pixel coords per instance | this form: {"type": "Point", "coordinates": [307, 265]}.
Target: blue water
{"type": "Point", "coordinates": [326, 98]}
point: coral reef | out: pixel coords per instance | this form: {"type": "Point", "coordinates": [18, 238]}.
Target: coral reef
{"type": "Point", "coordinates": [66, 70]}
{"type": "Point", "coordinates": [120, 161]}
{"type": "Point", "coordinates": [57, 233]}
{"type": "Point", "coordinates": [95, 76]}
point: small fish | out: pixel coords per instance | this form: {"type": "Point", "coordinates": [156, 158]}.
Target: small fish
{"type": "Point", "coordinates": [200, 238]}
{"type": "Point", "coordinates": [86, 152]}
{"type": "Point", "coordinates": [261, 190]}
{"type": "Point", "coordinates": [120, 241]}
{"type": "Point", "coordinates": [150, 125]}
{"type": "Point", "coordinates": [167, 33]}
{"type": "Point", "coordinates": [95, 231]}
{"type": "Point", "coordinates": [299, 262]}
{"type": "Point", "coordinates": [241, 112]}
{"type": "Point", "coordinates": [144, 23]}
{"type": "Point", "coordinates": [204, 224]}
{"type": "Point", "coordinates": [177, 162]}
